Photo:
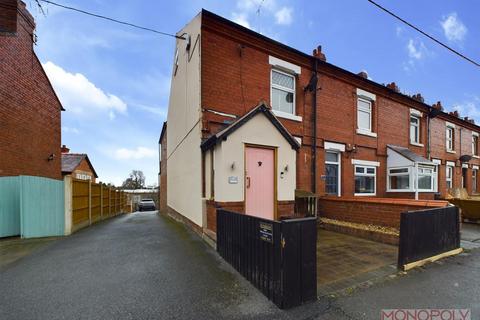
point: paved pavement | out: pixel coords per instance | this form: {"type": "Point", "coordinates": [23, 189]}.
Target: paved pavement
{"type": "Point", "coordinates": [344, 261]}
{"type": "Point", "coordinates": [138, 266]}
{"type": "Point", "coordinates": [144, 266]}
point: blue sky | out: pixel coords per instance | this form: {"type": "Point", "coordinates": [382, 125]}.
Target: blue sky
{"type": "Point", "coordinates": [114, 80]}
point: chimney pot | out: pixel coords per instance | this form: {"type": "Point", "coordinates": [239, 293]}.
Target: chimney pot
{"type": "Point", "coordinates": [65, 149]}
{"type": "Point", "coordinates": [317, 52]}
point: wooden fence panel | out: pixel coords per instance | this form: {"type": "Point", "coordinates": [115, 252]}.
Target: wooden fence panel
{"type": "Point", "coordinates": [428, 233]}
{"type": "Point", "coordinates": [80, 203]}
{"type": "Point", "coordinates": [96, 202]}
{"type": "Point", "coordinates": [106, 199]}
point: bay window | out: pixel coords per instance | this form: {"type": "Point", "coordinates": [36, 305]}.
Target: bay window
{"type": "Point", "coordinates": [399, 179]}
{"type": "Point", "coordinates": [426, 178]}
{"type": "Point", "coordinates": [365, 180]}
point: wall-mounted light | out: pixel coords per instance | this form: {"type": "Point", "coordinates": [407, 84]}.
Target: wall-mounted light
{"type": "Point", "coordinates": [51, 157]}
{"type": "Point", "coordinates": [233, 165]}
{"type": "Point", "coordinates": [286, 168]}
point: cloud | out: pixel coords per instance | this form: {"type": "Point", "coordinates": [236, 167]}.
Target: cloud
{"type": "Point", "coordinates": [138, 153]}
{"type": "Point", "coordinates": [415, 49]}
{"type": "Point", "coordinates": [80, 96]}
{"type": "Point", "coordinates": [284, 16]}
{"type": "Point", "coordinates": [470, 108]}
{"type": "Point", "coordinates": [241, 19]}
{"type": "Point", "coordinates": [70, 130]}
{"type": "Point", "coordinates": [453, 28]}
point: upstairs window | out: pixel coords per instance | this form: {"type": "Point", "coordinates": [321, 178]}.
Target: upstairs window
{"type": "Point", "coordinates": [283, 92]}
{"type": "Point", "coordinates": [414, 129]}
{"type": "Point", "coordinates": [475, 145]}
{"type": "Point", "coordinates": [450, 140]}
{"type": "Point", "coordinates": [364, 115]}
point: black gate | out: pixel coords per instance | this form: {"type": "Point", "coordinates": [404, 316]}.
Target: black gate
{"type": "Point", "coordinates": [277, 257]}
{"type": "Point", "coordinates": [428, 233]}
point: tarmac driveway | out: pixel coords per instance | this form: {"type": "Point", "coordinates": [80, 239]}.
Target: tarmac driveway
{"type": "Point", "coordinates": [136, 266]}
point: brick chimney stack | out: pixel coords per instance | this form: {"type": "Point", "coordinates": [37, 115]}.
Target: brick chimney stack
{"type": "Point", "coordinates": [8, 16]}
{"type": "Point", "coordinates": [319, 54]}
{"type": "Point", "coordinates": [65, 149]}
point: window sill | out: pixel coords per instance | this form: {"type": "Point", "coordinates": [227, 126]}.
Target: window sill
{"type": "Point", "coordinates": [365, 194]}
{"type": "Point", "coordinates": [286, 115]}
{"type": "Point", "coordinates": [416, 144]}
{"type": "Point", "coordinates": [413, 191]}
{"type": "Point", "coordinates": [476, 157]}
{"type": "Point", "coordinates": [451, 151]}
{"type": "Point", "coordinates": [366, 133]}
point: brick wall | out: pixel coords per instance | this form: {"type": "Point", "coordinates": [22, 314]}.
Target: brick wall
{"type": "Point", "coordinates": [285, 209]}
{"type": "Point", "coordinates": [29, 109]}
{"type": "Point", "coordinates": [236, 76]}
{"type": "Point", "coordinates": [84, 168]}
{"type": "Point", "coordinates": [376, 211]}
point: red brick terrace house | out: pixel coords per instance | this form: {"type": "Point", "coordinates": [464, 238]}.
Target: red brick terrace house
{"type": "Point", "coordinates": [77, 165]}
{"type": "Point", "coordinates": [29, 108]}
{"type": "Point", "coordinates": [251, 120]}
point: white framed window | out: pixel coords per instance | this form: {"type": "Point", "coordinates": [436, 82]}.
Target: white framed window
{"type": "Point", "coordinates": [364, 114]}
{"type": "Point", "coordinates": [414, 129]}
{"type": "Point", "coordinates": [426, 178]}
{"type": "Point", "coordinates": [175, 63]}
{"type": "Point", "coordinates": [282, 92]}
{"type": "Point", "coordinates": [450, 139]}
{"type": "Point", "coordinates": [474, 180]}
{"type": "Point", "coordinates": [365, 180]}
{"type": "Point", "coordinates": [475, 145]}
{"type": "Point", "coordinates": [333, 173]}
{"type": "Point", "coordinates": [449, 176]}
{"type": "Point", "coordinates": [399, 179]}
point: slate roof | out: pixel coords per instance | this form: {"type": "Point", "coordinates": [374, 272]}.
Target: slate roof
{"type": "Point", "coordinates": [261, 108]}
{"type": "Point", "coordinates": [70, 161]}
{"type": "Point", "coordinates": [409, 154]}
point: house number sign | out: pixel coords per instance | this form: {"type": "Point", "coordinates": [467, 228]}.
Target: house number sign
{"type": "Point", "coordinates": [233, 180]}
{"type": "Point", "coordinates": [266, 232]}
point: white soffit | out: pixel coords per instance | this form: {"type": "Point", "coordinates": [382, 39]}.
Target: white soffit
{"type": "Point", "coordinates": [437, 161]}
{"type": "Point", "coordinates": [451, 163]}
{"type": "Point", "coordinates": [366, 163]}
{"type": "Point", "coordinates": [475, 167]}
{"type": "Point", "coordinates": [366, 94]}
{"type": "Point", "coordinates": [475, 134]}
{"type": "Point", "coordinates": [284, 65]}
{"type": "Point", "coordinates": [334, 146]}
{"type": "Point", "coordinates": [465, 165]}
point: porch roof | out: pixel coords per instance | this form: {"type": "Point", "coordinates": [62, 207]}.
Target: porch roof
{"type": "Point", "coordinates": [261, 108]}
{"type": "Point", "coordinates": [410, 155]}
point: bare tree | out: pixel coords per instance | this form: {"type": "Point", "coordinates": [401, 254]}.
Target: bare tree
{"type": "Point", "coordinates": [136, 180]}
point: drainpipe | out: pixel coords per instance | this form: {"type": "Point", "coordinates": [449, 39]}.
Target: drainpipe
{"type": "Point", "coordinates": [428, 137]}
{"type": "Point", "coordinates": [313, 88]}
{"type": "Point", "coordinates": [416, 180]}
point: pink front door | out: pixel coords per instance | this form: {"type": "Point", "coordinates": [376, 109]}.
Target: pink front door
{"type": "Point", "coordinates": [259, 182]}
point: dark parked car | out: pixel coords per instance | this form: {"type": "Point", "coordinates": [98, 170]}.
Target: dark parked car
{"type": "Point", "coordinates": [146, 205]}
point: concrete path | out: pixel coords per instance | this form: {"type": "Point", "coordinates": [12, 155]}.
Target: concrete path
{"type": "Point", "coordinates": [138, 266]}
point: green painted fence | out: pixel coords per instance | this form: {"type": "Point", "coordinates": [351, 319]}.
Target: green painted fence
{"type": "Point", "coordinates": [9, 206]}
{"type": "Point", "coordinates": [42, 209]}
{"type": "Point", "coordinates": [31, 207]}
